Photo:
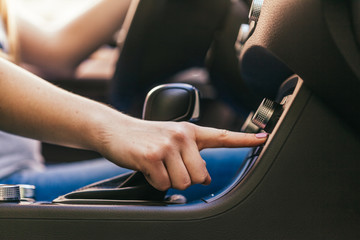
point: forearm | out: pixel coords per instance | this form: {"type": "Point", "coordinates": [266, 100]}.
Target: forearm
{"type": "Point", "coordinates": [65, 46]}
{"type": "Point", "coordinates": [34, 108]}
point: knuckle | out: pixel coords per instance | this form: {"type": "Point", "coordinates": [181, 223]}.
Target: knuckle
{"type": "Point", "coordinates": [184, 184]}
{"type": "Point", "coordinates": [159, 181]}
{"type": "Point", "coordinates": [223, 136]}
{"type": "Point", "coordinates": [166, 147]}
{"type": "Point", "coordinates": [159, 152]}
{"type": "Point", "coordinates": [164, 185]}
{"type": "Point", "coordinates": [153, 154]}
{"type": "Point", "coordinates": [199, 178]}
{"type": "Point", "coordinates": [204, 163]}
{"type": "Point", "coordinates": [224, 133]}
{"type": "Point", "coordinates": [182, 131]}
{"type": "Point", "coordinates": [186, 126]}
{"type": "Point", "coordinates": [178, 134]}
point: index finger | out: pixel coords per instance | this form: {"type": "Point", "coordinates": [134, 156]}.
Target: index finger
{"type": "Point", "coordinates": [212, 138]}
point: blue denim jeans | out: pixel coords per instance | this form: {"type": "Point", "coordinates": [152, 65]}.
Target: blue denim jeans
{"type": "Point", "coordinates": [60, 179]}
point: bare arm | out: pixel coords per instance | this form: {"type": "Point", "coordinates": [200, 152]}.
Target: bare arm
{"type": "Point", "coordinates": [166, 152]}
{"type": "Point", "coordinates": [63, 48]}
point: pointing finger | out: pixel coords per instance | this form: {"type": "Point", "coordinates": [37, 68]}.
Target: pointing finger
{"type": "Point", "coordinates": [212, 138]}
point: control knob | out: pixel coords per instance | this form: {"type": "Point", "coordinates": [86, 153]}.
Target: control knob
{"type": "Point", "coordinates": [9, 193]}
{"type": "Point", "coordinates": [267, 115]}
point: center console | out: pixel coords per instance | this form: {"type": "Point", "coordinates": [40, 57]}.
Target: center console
{"type": "Point", "coordinates": [304, 174]}
{"type": "Point", "coordinates": [302, 184]}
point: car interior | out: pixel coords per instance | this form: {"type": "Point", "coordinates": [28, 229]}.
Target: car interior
{"type": "Point", "coordinates": [292, 66]}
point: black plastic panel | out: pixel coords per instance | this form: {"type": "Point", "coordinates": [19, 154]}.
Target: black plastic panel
{"type": "Point", "coordinates": [315, 39]}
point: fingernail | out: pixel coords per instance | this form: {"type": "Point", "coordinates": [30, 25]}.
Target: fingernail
{"type": "Point", "coordinates": [261, 135]}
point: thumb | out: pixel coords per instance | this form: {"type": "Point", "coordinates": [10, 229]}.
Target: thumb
{"type": "Point", "coordinates": [214, 138]}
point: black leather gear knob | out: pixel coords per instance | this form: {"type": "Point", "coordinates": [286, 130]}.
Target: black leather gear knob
{"type": "Point", "coordinates": [172, 102]}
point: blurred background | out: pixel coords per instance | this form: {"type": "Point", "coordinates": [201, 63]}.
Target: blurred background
{"type": "Point", "coordinates": [92, 78]}
{"type": "Point", "coordinates": [53, 9]}
{"type": "Point", "coordinates": [51, 13]}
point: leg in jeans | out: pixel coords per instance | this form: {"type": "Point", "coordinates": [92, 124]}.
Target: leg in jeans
{"type": "Point", "coordinates": [223, 165]}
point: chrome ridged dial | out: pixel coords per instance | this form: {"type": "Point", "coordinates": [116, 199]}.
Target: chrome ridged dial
{"type": "Point", "coordinates": [267, 115]}
{"type": "Point", "coordinates": [9, 193]}
{"type": "Point", "coordinates": [27, 192]}
{"type": "Point", "coordinates": [17, 193]}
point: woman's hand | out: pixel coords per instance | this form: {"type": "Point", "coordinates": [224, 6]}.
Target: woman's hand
{"type": "Point", "coordinates": [168, 152]}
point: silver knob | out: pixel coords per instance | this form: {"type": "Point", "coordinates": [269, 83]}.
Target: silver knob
{"type": "Point", "coordinates": [9, 193]}
{"type": "Point", "coordinates": [255, 10]}
{"type": "Point", "coordinates": [267, 115]}
{"type": "Point", "coordinates": [27, 192]}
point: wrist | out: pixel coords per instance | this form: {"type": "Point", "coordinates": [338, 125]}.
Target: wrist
{"type": "Point", "coordinates": [105, 124]}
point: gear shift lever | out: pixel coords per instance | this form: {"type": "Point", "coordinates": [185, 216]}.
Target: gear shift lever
{"type": "Point", "coordinates": [172, 102]}
{"type": "Point", "coordinates": [169, 102]}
